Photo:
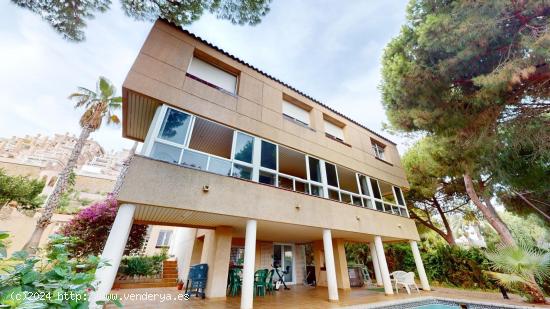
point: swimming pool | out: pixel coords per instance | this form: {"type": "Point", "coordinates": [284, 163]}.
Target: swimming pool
{"type": "Point", "coordinates": [434, 303]}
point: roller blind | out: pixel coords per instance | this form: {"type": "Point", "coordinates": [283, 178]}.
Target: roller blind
{"type": "Point", "coordinates": [213, 75]}
{"type": "Point", "coordinates": [295, 112]}
{"type": "Point", "coordinates": [334, 130]}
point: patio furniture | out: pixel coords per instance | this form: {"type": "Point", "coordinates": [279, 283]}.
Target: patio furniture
{"type": "Point", "coordinates": [235, 281]}
{"type": "Point", "coordinates": [269, 283]}
{"type": "Point", "coordinates": [406, 280]}
{"type": "Point", "coordinates": [196, 281]}
{"type": "Point", "coordinates": [366, 276]}
{"type": "Point", "coordinates": [260, 277]}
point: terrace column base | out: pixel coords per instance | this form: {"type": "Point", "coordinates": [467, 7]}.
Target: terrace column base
{"type": "Point", "coordinates": [384, 272]}
{"type": "Point", "coordinates": [342, 275]}
{"type": "Point", "coordinates": [420, 266]}
{"type": "Point", "coordinates": [112, 253]}
{"type": "Point", "coordinates": [375, 264]}
{"type": "Point", "coordinates": [216, 253]}
{"type": "Point", "coordinates": [247, 290]}
{"type": "Point", "coordinates": [331, 268]}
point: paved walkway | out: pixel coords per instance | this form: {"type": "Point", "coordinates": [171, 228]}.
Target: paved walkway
{"type": "Point", "coordinates": [298, 297]}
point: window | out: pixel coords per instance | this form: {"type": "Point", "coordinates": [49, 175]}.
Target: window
{"type": "Point", "coordinates": [386, 190]}
{"type": "Point", "coordinates": [334, 131]}
{"type": "Point", "coordinates": [269, 155]}
{"type": "Point", "coordinates": [314, 169]}
{"type": "Point", "coordinates": [213, 75]}
{"type": "Point", "coordinates": [194, 159]}
{"type": "Point", "coordinates": [292, 162]}
{"type": "Point", "coordinates": [236, 256]}
{"type": "Point", "coordinates": [244, 147]}
{"type": "Point", "coordinates": [363, 183]}
{"type": "Point", "coordinates": [399, 195]}
{"type": "Point", "coordinates": [175, 126]}
{"type": "Point", "coordinates": [296, 113]}
{"type": "Point", "coordinates": [267, 178]}
{"type": "Point", "coordinates": [219, 166]}
{"type": "Point", "coordinates": [211, 138]}
{"type": "Point", "coordinates": [347, 180]}
{"type": "Point", "coordinates": [241, 171]}
{"type": "Point", "coordinates": [163, 240]}
{"type": "Point", "coordinates": [165, 153]}
{"type": "Point", "coordinates": [378, 150]}
{"type": "Point", "coordinates": [332, 179]}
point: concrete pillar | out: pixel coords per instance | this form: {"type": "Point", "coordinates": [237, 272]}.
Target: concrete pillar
{"type": "Point", "coordinates": [341, 264]}
{"type": "Point", "coordinates": [216, 253]}
{"type": "Point", "coordinates": [184, 240]}
{"type": "Point", "coordinates": [247, 292]}
{"type": "Point", "coordinates": [375, 264]}
{"type": "Point", "coordinates": [319, 259]}
{"type": "Point", "coordinates": [420, 266]}
{"type": "Point", "coordinates": [384, 272]}
{"type": "Point", "coordinates": [331, 269]}
{"type": "Point", "coordinates": [112, 253]}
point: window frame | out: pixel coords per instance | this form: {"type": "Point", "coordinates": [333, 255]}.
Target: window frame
{"type": "Point", "coordinates": [361, 198]}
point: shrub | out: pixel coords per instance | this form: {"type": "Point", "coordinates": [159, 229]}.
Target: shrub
{"type": "Point", "coordinates": [92, 225]}
{"type": "Point", "coordinates": [451, 265]}
{"type": "Point", "coordinates": [142, 265]}
{"type": "Point", "coordinates": [58, 277]}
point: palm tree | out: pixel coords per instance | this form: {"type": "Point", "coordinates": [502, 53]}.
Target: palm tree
{"type": "Point", "coordinates": [99, 105]}
{"type": "Point", "coordinates": [518, 266]}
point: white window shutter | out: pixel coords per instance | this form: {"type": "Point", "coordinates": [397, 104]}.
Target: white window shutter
{"type": "Point", "coordinates": [213, 75]}
{"type": "Point", "coordinates": [295, 112]}
{"type": "Point", "coordinates": [334, 130]}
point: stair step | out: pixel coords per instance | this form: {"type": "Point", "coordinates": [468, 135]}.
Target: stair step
{"type": "Point", "coordinates": [144, 285]}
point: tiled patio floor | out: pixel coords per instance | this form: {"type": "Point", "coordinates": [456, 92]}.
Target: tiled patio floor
{"type": "Point", "coordinates": [298, 297]}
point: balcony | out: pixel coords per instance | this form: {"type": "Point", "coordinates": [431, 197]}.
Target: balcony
{"type": "Point", "coordinates": [171, 194]}
{"type": "Point", "coordinates": [184, 139]}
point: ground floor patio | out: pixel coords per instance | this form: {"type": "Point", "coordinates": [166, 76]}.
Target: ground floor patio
{"type": "Point", "coordinates": [303, 297]}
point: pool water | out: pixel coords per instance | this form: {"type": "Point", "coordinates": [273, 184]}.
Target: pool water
{"type": "Point", "coordinates": [437, 306]}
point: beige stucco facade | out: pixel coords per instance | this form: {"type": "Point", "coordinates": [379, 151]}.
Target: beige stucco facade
{"type": "Point", "coordinates": [231, 210]}
{"type": "Point", "coordinates": [159, 75]}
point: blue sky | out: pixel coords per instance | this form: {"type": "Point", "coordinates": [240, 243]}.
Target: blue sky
{"type": "Point", "coordinates": [330, 50]}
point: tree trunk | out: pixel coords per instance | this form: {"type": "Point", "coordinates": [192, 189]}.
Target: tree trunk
{"type": "Point", "coordinates": [60, 186]}
{"type": "Point", "coordinates": [449, 237]}
{"type": "Point", "coordinates": [123, 171]}
{"type": "Point", "coordinates": [537, 296]}
{"type": "Point", "coordinates": [523, 198]}
{"type": "Point", "coordinates": [488, 212]}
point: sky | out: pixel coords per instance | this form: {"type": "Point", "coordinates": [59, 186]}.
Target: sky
{"type": "Point", "coordinates": [331, 50]}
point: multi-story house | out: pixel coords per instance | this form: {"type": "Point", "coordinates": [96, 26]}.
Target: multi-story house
{"type": "Point", "coordinates": [249, 167]}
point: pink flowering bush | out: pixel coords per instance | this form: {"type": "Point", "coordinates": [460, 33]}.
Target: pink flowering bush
{"type": "Point", "coordinates": [92, 225]}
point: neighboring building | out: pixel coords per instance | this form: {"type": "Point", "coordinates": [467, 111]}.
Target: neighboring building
{"type": "Point", "coordinates": [251, 169]}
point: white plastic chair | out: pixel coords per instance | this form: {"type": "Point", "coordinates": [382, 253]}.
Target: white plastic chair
{"type": "Point", "coordinates": [394, 275]}
{"type": "Point", "coordinates": [406, 280]}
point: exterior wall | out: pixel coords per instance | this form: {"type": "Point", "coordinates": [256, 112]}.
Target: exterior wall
{"type": "Point", "coordinates": [160, 72]}
{"type": "Point", "coordinates": [94, 184]}
{"type": "Point", "coordinates": [277, 205]}
{"type": "Point", "coordinates": [14, 168]}
{"type": "Point", "coordinates": [21, 226]}
{"type": "Point", "coordinates": [150, 248]}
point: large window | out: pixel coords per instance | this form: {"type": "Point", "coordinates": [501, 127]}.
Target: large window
{"type": "Point", "coordinates": [296, 113]}
{"type": "Point", "coordinates": [211, 138]}
{"type": "Point", "coordinates": [213, 75]}
{"type": "Point", "coordinates": [175, 126]}
{"type": "Point", "coordinates": [198, 143]}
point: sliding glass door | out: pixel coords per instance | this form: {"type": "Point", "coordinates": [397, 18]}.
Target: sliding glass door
{"type": "Point", "coordinates": [283, 256]}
